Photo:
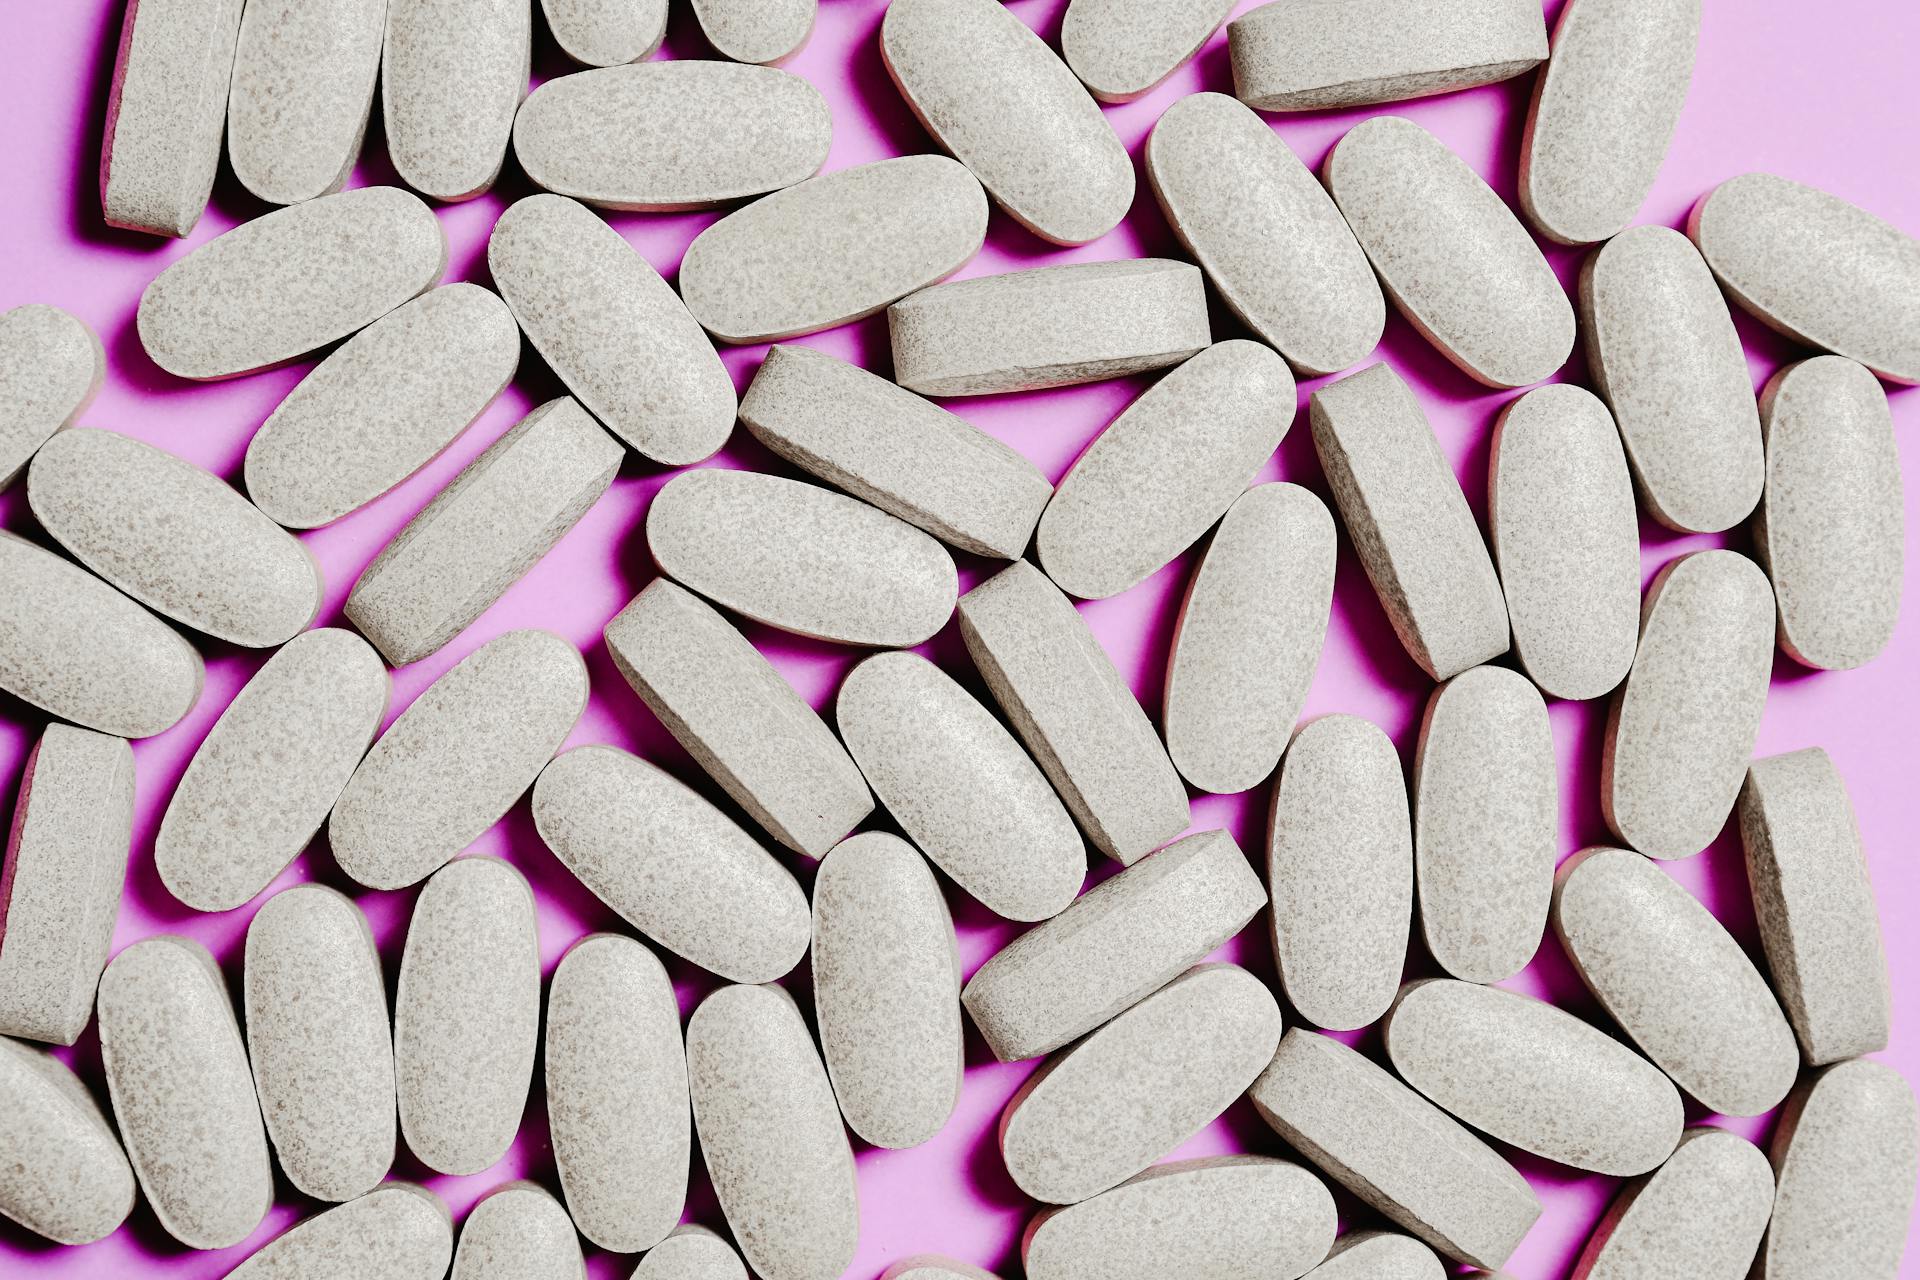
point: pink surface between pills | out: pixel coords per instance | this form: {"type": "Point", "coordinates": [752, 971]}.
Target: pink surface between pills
{"type": "Point", "coordinates": [1820, 95]}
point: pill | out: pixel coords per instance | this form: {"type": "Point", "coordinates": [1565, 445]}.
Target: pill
{"type": "Point", "coordinates": [886, 990]}
{"type": "Point", "coordinates": [1115, 945]}
{"type": "Point", "coordinates": [1048, 327]}
{"type": "Point", "coordinates": [738, 718]}
{"type": "Point", "coordinates": [1486, 811]}
{"type": "Point", "coordinates": [801, 558]}
{"type": "Point", "coordinates": [672, 135]}
{"type": "Point", "coordinates": [1675, 981]}
{"type": "Point", "coordinates": [1139, 1086]}
{"type": "Point", "coordinates": [165, 114]}
{"type": "Point", "coordinates": [316, 1008]}
{"type": "Point", "coordinates": [1074, 712]}
{"type": "Point", "coordinates": [1393, 1149]}
{"type": "Point", "coordinates": [887, 446]}
{"type": "Point", "coordinates": [1682, 727]}
{"type": "Point", "coordinates": [518, 1232]}
{"type": "Point", "coordinates": [1814, 904]}
{"type": "Point", "coordinates": [182, 1093]}
{"type": "Point", "coordinates": [1124, 49]}
{"type": "Point", "coordinates": [612, 329]}
{"type": "Point", "coordinates": [771, 1134]}
{"type": "Point", "coordinates": [174, 537]}
{"type": "Point", "coordinates": [1451, 255]}
{"type": "Point", "coordinates": [1378, 1255]}
{"type": "Point", "coordinates": [1165, 470]}
{"type": "Point", "coordinates": [51, 367]}
{"type": "Point", "coordinates": [674, 867]}
{"type": "Point", "coordinates": [302, 90]}
{"type": "Point", "coordinates": [457, 758]}
{"type": "Point", "coordinates": [1231, 1217]}
{"type": "Point", "coordinates": [1699, 1216]}
{"type": "Point", "coordinates": [382, 406]}
{"type": "Point", "coordinates": [616, 1079]}
{"type": "Point", "coordinates": [933, 1266]}
{"type": "Point", "coordinates": [1819, 270]}
{"type": "Point", "coordinates": [1348, 53]}
{"type": "Point", "coordinates": [466, 1016]}
{"type": "Point", "coordinates": [397, 1231]}
{"type": "Point", "coordinates": [67, 848]}
{"type": "Point", "coordinates": [72, 645]}
{"type": "Point", "coordinates": [483, 532]}
{"type": "Point", "coordinates": [756, 30]}
{"type": "Point", "coordinates": [66, 1177]}
{"type": "Point", "coordinates": [691, 1252]}
{"type": "Point", "coordinates": [606, 33]}
{"type": "Point", "coordinates": [452, 74]}
{"type": "Point", "coordinates": [1410, 524]}
{"type": "Point", "coordinates": [1566, 537]}
{"type": "Point", "coordinates": [1340, 871]}
{"type": "Point", "coordinates": [1231, 189]}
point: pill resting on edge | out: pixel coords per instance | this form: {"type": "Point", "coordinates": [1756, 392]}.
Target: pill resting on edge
{"type": "Point", "coordinates": [756, 30]}
{"type": "Point", "coordinates": [397, 1231]}
{"type": "Point", "coordinates": [691, 1253]}
{"type": "Point", "coordinates": [303, 79]}
{"type": "Point", "coordinates": [518, 1232]}
{"type": "Point", "coordinates": [1699, 1216]}
{"type": "Point", "coordinates": [606, 33]}
{"type": "Point", "coordinates": [1123, 49]}
{"type": "Point", "coordinates": [452, 73]}
{"type": "Point", "coordinates": [66, 1177]}
{"type": "Point", "coordinates": [51, 367]}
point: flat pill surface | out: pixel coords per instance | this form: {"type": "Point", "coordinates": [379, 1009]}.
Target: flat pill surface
{"type": "Point", "coordinates": [51, 367]}
{"type": "Point", "coordinates": [756, 30]}
{"type": "Point", "coordinates": [273, 289]}
{"type": "Point", "coordinates": [518, 1232]}
{"type": "Point", "coordinates": [452, 73]}
{"type": "Point", "coordinates": [302, 88]}
{"type": "Point", "coordinates": [1699, 1216]}
{"type": "Point", "coordinates": [691, 1253]}
{"type": "Point", "coordinates": [397, 1231]}
{"type": "Point", "coordinates": [1120, 49]}
{"type": "Point", "coordinates": [932, 1266]}
{"type": "Point", "coordinates": [67, 1178]}
{"type": "Point", "coordinates": [1378, 1255]}
{"type": "Point", "coordinates": [606, 33]}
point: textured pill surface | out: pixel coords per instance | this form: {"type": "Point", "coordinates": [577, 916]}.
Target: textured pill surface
{"type": "Point", "coordinates": [1699, 1216]}
{"type": "Point", "coordinates": [933, 1266]}
{"type": "Point", "coordinates": [303, 80]}
{"type": "Point", "coordinates": [606, 33]}
{"type": "Point", "coordinates": [51, 367]}
{"type": "Point", "coordinates": [691, 1253]}
{"type": "Point", "coordinates": [756, 30]}
{"type": "Point", "coordinates": [1121, 49]}
{"type": "Point", "coordinates": [452, 73]}
{"type": "Point", "coordinates": [518, 1232]}
{"type": "Point", "coordinates": [397, 1231]}
{"type": "Point", "coordinates": [66, 1177]}
{"type": "Point", "coordinates": [1378, 1255]}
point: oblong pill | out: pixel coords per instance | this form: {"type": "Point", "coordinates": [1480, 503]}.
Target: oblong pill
{"type": "Point", "coordinates": [960, 786]}
{"type": "Point", "coordinates": [182, 1094]}
{"type": "Point", "coordinates": [51, 368]}
{"type": "Point", "coordinates": [887, 446]}
{"type": "Point", "coordinates": [66, 1177]}
{"type": "Point", "coordinates": [933, 1266]}
{"type": "Point", "coordinates": [397, 1231]}
{"type": "Point", "coordinates": [671, 135]}
{"type": "Point", "coordinates": [1165, 470]}
{"type": "Point", "coordinates": [756, 30]}
{"type": "Point", "coordinates": [457, 758]}
{"type": "Point", "coordinates": [616, 1079]}
{"type": "Point", "coordinates": [606, 33]}
{"type": "Point", "coordinates": [1566, 538]}
{"type": "Point", "coordinates": [1683, 726]}
{"type": "Point", "coordinates": [1168, 1067]}
{"type": "Point", "coordinates": [349, 258]}
{"type": "Point", "coordinates": [1699, 1216]}
{"type": "Point", "coordinates": [1675, 981]}
{"type": "Point", "coordinates": [672, 865]}
{"type": "Point", "coordinates": [771, 1134]}
{"type": "Point", "coordinates": [612, 329]}
{"type": "Point", "coordinates": [302, 90]}
{"type": "Point", "coordinates": [451, 77]}
{"type": "Point", "coordinates": [1116, 944]}
{"type": "Point", "coordinates": [801, 558]}
{"type": "Point", "coordinates": [1048, 326]}
{"type": "Point", "coordinates": [1231, 189]}
{"type": "Point", "coordinates": [1074, 712]}
{"type": "Point", "coordinates": [1819, 270]}
{"type": "Point", "coordinates": [1122, 49]}
{"type": "Point", "coordinates": [466, 1015]}
{"type": "Point", "coordinates": [518, 1232]}
{"type": "Point", "coordinates": [382, 406]}
{"type": "Point", "coordinates": [691, 1252]}
{"type": "Point", "coordinates": [1378, 1255]}
{"type": "Point", "coordinates": [165, 114]}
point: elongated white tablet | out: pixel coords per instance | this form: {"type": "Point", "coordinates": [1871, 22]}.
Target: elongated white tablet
{"type": "Point", "coordinates": [51, 368]}
{"type": "Point", "coordinates": [66, 1178]}
{"type": "Point", "coordinates": [452, 73]}
{"type": "Point", "coordinates": [518, 1232]}
{"type": "Point", "coordinates": [1699, 1216]}
{"type": "Point", "coordinates": [397, 1231]}
{"type": "Point", "coordinates": [1122, 49]}
{"type": "Point", "coordinates": [691, 1252]}
{"type": "Point", "coordinates": [606, 33]}
{"type": "Point", "coordinates": [302, 89]}
{"type": "Point", "coordinates": [1378, 1255]}
{"type": "Point", "coordinates": [933, 1266]}
{"type": "Point", "coordinates": [756, 30]}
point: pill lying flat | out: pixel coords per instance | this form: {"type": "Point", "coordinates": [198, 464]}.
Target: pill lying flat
{"type": "Point", "coordinates": [612, 330]}
{"type": "Point", "coordinates": [457, 758]}
{"type": "Point", "coordinates": [933, 1266]}
{"type": "Point", "coordinates": [1566, 537]}
{"type": "Point", "coordinates": [1073, 711]}
{"type": "Point", "coordinates": [382, 406]}
{"type": "Point", "coordinates": [66, 1178]}
{"type": "Point", "coordinates": [756, 30]}
{"type": "Point", "coordinates": [1394, 1149]}
{"type": "Point", "coordinates": [1378, 1255]}
{"type": "Point", "coordinates": [1675, 981]}
{"type": "Point", "coordinates": [606, 33]}
{"type": "Point", "coordinates": [182, 1094]}
{"type": "Point", "coordinates": [397, 1231]}
{"type": "Point", "coordinates": [1820, 270]}
{"type": "Point", "coordinates": [1122, 49]}
{"type": "Point", "coordinates": [1115, 945]}
{"type": "Point", "coordinates": [51, 367]}
{"type": "Point", "coordinates": [1166, 470]}
{"type": "Point", "coordinates": [771, 1134]}
{"type": "Point", "coordinates": [1048, 327]}
{"type": "Point", "coordinates": [452, 73]}
{"type": "Point", "coordinates": [1697, 1217]}
{"type": "Point", "coordinates": [302, 90]}
{"type": "Point", "coordinates": [483, 532]}
{"type": "Point", "coordinates": [887, 446]}
{"type": "Point", "coordinates": [1683, 725]}
{"type": "Point", "coordinates": [1815, 906]}
{"type": "Point", "coordinates": [691, 1252]}
{"type": "Point", "coordinates": [518, 1232]}
{"type": "Point", "coordinates": [671, 864]}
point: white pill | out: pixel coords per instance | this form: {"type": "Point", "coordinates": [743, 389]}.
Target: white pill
{"type": "Point", "coordinates": [756, 30]}
{"type": "Point", "coordinates": [303, 79]}
{"type": "Point", "coordinates": [1378, 1255]}
{"type": "Point", "coordinates": [1699, 1216]}
{"type": "Point", "coordinates": [518, 1232]}
{"type": "Point", "coordinates": [66, 1177]}
{"type": "Point", "coordinates": [1123, 49]}
{"type": "Point", "coordinates": [51, 367]}
{"type": "Point", "coordinates": [452, 73]}
{"type": "Point", "coordinates": [606, 33]}
{"type": "Point", "coordinates": [397, 1231]}
{"type": "Point", "coordinates": [933, 1266]}
{"type": "Point", "coordinates": [691, 1252]}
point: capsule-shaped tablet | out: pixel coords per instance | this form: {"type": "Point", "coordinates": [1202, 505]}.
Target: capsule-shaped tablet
{"type": "Point", "coordinates": [691, 1252]}
{"type": "Point", "coordinates": [397, 1231]}
{"type": "Point", "coordinates": [671, 864]}
{"type": "Point", "coordinates": [933, 1266]}
{"type": "Point", "coordinates": [1378, 1255]}
{"type": "Point", "coordinates": [1675, 981]}
{"type": "Point", "coordinates": [612, 330]}
{"type": "Point", "coordinates": [1166, 469]}
{"type": "Point", "coordinates": [1683, 725]}
{"type": "Point", "coordinates": [382, 406]}
{"type": "Point", "coordinates": [1566, 537]}
{"type": "Point", "coordinates": [1076, 715]}
{"type": "Point", "coordinates": [886, 990]}
{"type": "Point", "coordinates": [518, 1232]}
{"type": "Point", "coordinates": [1817, 269]}
{"type": "Point", "coordinates": [1814, 904]}
{"type": "Point", "coordinates": [51, 367]}
{"type": "Point", "coordinates": [771, 1134]}
{"type": "Point", "coordinates": [66, 1177]}
{"type": "Point", "coordinates": [1394, 1149]}
{"type": "Point", "coordinates": [1699, 1216]}
{"type": "Point", "coordinates": [1118, 943]}
{"type": "Point", "coordinates": [302, 89]}
{"type": "Point", "coordinates": [1123, 49]}
{"type": "Point", "coordinates": [452, 73]}
{"type": "Point", "coordinates": [760, 31]}
{"type": "Point", "coordinates": [606, 33]}
{"type": "Point", "coordinates": [887, 446]}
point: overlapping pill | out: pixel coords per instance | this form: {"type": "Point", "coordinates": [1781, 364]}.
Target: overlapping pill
{"type": "Point", "coordinates": [1122, 49]}
{"type": "Point", "coordinates": [933, 1266]}
{"type": "Point", "coordinates": [691, 1252]}
{"type": "Point", "coordinates": [452, 73]}
{"type": "Point", "coordinates": [66, 1177]}
{"type": "Point", "coordinates": [1699, 1216]}
{"type": "Point", "coordinates": [303, 80]}
{"type": "Point", "coordinates": [397, 1231]}
{"type": "Point", "coordinates": [756, 30]}
{"type": "Point", "coordinates": [1378, 1255]}
{"type": "Point", "coordinates": [606, 33]}
{"type": "Point", "coordinates": [518, 1232]}
{"type": "Point", "coordinates": [51, 367]}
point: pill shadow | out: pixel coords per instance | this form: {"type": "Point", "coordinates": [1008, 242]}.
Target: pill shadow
{"type": "Point", "coordinates": [901, 133]}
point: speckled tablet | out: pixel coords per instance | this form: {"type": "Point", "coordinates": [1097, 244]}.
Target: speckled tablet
{"type": "Point", "coordinates": [691, 1252]}
{"type": "Point", "coordinates": [51, 367]}
{"type": "Point", "coordinates": [756, 30]}
{"type": "Point", "coordinates": [1122, 49]}
{"type": "Point", "coordinates": [1378, 1255]}
{"type": "Point", "coordinates": [518, 1232]}
{"type": "Point", "coordinates": [452, 73]}
{"type": "Point", "coordinates": [66, 1179]}
{"type": "Point", "coordinates": [933, 1266]}
{"type": "Point", "coordinates": [397, 1231]}
{"type": "Point", "coordinates": [1699, 1216]}
{"type": "Point", "coordinates": [303, 79]}
{"type": "Point", "coordinates": [606, 33]}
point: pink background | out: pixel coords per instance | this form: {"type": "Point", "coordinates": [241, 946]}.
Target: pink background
{"type": "Point", "coordinates": [1822, 96]}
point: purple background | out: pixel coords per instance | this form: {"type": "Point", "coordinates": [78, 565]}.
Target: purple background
{"type": "Point", "coordinates": [1822, 96]}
